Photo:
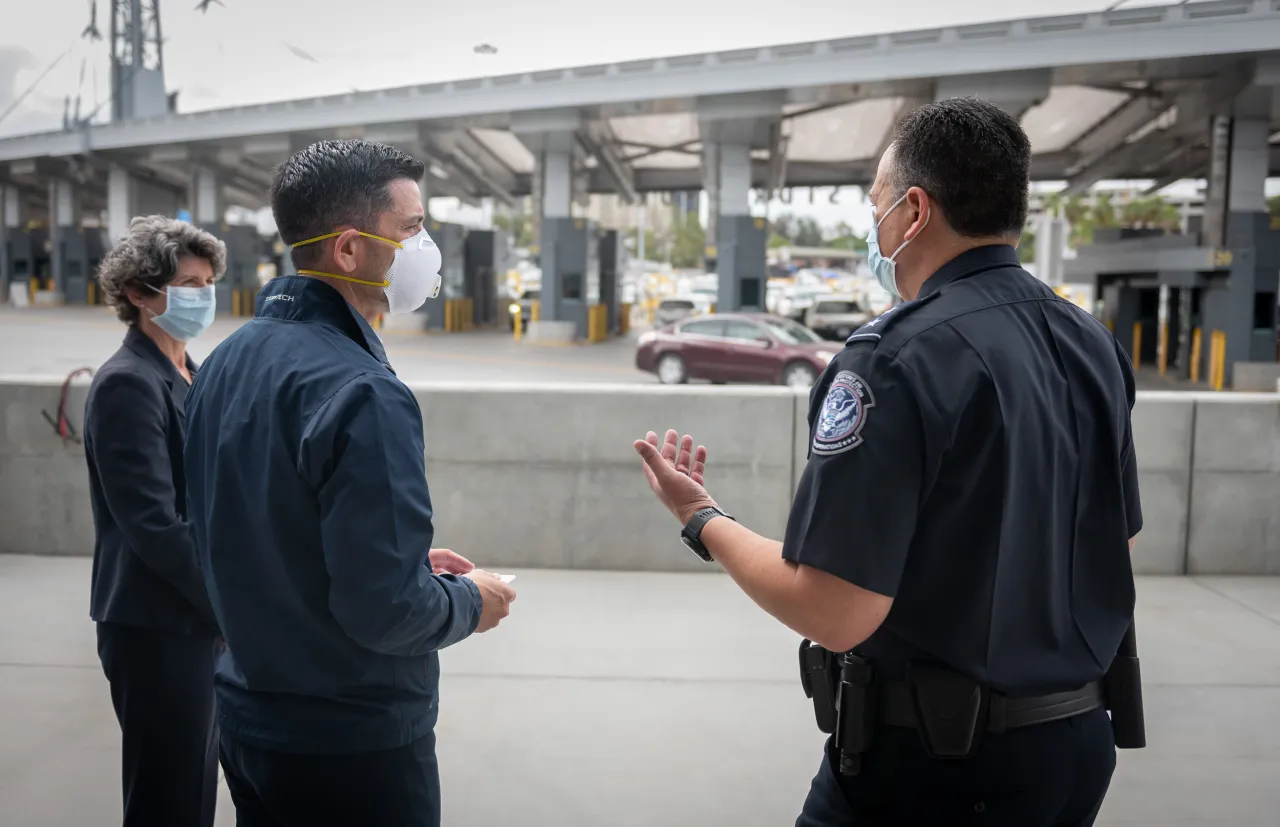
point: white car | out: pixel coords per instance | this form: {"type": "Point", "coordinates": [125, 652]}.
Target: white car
{"type": "Point", "coordinates": [835, 317]}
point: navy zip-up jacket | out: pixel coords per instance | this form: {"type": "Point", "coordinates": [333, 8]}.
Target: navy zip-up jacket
{"type": "Point", "coordinates": [308, 500]}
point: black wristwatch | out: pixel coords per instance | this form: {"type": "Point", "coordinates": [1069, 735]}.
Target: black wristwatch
{"type": "Point", "coordinates": [691, 534]}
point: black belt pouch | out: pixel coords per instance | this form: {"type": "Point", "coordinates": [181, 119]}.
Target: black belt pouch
{"type": "Point", "coordinates": [951, 710]}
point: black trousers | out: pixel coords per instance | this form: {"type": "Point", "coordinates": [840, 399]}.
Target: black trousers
{"type": "Point", "coordinates": [162, 691]}
{"type": "Point", "coordinates": [1047, 775]}
{"type": "Point", "coordinates": [391, 788]}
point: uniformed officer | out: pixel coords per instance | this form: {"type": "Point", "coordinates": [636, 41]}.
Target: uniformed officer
{"type": "Point", "coordinates": [966, 515]}
{"type": "Point", "coordinates": [311, 513]}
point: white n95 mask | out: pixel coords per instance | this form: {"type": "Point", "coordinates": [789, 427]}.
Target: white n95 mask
{"type": "Point", "coordinates": [414, 275]}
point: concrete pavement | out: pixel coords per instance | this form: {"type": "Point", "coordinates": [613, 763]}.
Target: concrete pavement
{"type": "Point", "coordinates": [634, 700]}
{"type": "Point", "coordinates": [54, 342]}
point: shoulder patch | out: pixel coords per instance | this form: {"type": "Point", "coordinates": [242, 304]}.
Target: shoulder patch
{"type": "Point", "coordinates": [844, 412]}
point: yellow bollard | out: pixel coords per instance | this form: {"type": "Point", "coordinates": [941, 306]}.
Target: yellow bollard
{"type": "Point", "coordinates": [1220, 359]}
{"type": "Point", "coordinates": [624, 319]}
{"type": "Point", "coordinates": [1163, 356]}
{"type": "Point", "coordinates": [535, 310]}
{"type": "Point", "coordinates": [31, 290]}
{"type": "Point", "coordinates": [516, 321]}
{"type": "Point", "coordinates": [1195, 355]}
{"type": "Point", "coordinates": [235, 302]}
{"type": "Point", "coordinates": [1137, 345]}
{"type": "Point", "coordinates": [1111, 325]}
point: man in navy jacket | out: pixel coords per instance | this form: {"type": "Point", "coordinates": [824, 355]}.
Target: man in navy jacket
{"type": "Point", "coordinates": [312, 517]}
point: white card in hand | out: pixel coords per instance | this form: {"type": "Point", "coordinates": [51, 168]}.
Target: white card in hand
{"type": "Point", "coordinates": [505, 578]}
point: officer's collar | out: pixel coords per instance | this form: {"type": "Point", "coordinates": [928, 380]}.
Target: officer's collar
{"type": "Point", "coordinates": [306, 299]}
{"type": "Point", "coordinates": [967, 264]}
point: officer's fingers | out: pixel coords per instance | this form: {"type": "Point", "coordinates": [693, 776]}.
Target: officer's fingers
{"type": "Point", "coordinates": [699, 468]}
{"type": "Point", "coordinates": [684, 459]}
{"type": "Point", "coordinates": [656, 465]}
{"type": "Point", "coordinates": [670, 446]}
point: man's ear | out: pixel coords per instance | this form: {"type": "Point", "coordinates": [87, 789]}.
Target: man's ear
{"type": "Point", "coordinates": [344, 250]}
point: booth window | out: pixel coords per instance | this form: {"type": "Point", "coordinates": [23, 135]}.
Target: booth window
{"type": "Point", "coordinates": [571, 286]}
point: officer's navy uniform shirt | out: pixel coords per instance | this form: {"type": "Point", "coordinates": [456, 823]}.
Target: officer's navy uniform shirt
{"type": "Point", "coordinates": [971, 456]}
{"type": "Point", "coordinates": [145, 571]}
{"type": "Point", "coordinates": [312, 517]}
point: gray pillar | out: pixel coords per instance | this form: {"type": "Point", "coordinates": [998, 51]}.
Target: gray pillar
{"type": "Point", "coordinates": [1250, 307]}
{"type": "Point", "coordinates": [731, 126]}
{"type": "Point", "coordinates": [207, 205]}
{"type": "Point", "coordinates": [122, 203]}
{"type": "Point", "coordinates": [6, 273]}
{"type": "Point", "coordinates": [63, 219]}
{"type": "Point", "coordinates": [1051, 243]}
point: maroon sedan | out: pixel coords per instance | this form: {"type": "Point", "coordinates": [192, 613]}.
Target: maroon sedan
{"type": "Point", "coordinates": [735, 347]}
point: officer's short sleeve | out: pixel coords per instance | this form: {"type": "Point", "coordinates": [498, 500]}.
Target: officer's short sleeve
{"type": "Point", "coordinates": [1128, 457]}
{"type": "Point", "coordinates": [856, 508]}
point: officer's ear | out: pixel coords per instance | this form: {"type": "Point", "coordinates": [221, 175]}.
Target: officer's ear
{"type": "Point", "coordinates": [921, 208]}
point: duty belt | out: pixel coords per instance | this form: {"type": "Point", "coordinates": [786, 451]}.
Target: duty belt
{"type": "Point", "coordinates": [897, 706]}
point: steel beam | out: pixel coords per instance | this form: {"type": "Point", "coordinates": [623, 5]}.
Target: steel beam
{"type": "Point", "coordinates": [1193, 111]}
{"type": "Point", "coordinates": [1099, 39]}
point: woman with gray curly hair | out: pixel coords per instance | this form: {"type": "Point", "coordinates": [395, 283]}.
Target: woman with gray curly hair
{"type": "Point", "coordinates": [157, 637]}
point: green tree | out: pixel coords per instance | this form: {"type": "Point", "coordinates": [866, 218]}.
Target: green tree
{"type": "Point", "coordinates": [778, 240]}
{"type": "Point", "coordinates": [689, 246]}
{"type": "Point", "coordinates": [808, 233]}
{"type": "Point", "coordinates": [784, 225]}
{"type": "Point", "coordinates": [1273, 205]}
{"type": "Point", "coordinates": [518, 225]}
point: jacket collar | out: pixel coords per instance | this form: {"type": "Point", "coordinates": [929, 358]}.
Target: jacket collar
{"type": "Point", "coordinates": [141, 344]}
{"type": "Point", "coordinates": [969, 263]}
{"type": "Point", "coordinates": [305, 299]}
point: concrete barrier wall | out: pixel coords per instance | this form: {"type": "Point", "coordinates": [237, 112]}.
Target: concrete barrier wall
{"type": "Point", "coordinates": [545, 476]}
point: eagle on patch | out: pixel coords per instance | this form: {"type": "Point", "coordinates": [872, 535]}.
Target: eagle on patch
{"type": "Point", "coordinates": [844, 412]}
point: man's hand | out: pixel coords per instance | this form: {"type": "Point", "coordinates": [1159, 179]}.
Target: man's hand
{"type": "Point", "coordinates": [676, 472]}
{"type": "Point", "coordinates": [444, 561]}
{"type": "Point", "coordinates": [495, 597]}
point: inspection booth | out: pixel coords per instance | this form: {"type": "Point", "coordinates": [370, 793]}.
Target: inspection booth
{"type": "Point", "coordinates": [570, 259]}
{"type": "Point", "coordinates": [447, 311]}
{"type": "Point", "coordinates": [1188, 310]}
{"type": "Point", "coordinates": [485, 261]}
{"type": "Point", "coordinates": [237, 290]}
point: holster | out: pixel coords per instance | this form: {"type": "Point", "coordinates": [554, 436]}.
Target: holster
{"type": "Point", "coordinates": [1122, 693]}
{"type": "Point", "coordinates": [820, 677]}
{"type": "Point", "coordinates": [856, 718]}
{"type": "Point", "coordinates": [951, 710]}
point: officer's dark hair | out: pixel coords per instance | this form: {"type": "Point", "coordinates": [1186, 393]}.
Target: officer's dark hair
{"type": "Point", "coordinates": [334, 183]}
{"type": "Point", "coordinates": [972, 158]}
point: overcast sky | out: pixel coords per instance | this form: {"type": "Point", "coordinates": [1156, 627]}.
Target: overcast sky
{"type": "Point", "coordinates": [254, 51]}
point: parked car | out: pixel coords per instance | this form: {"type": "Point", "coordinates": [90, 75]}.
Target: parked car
{"type": "Point", "coordinates": [836, 317]}
{"type": "Point", "coordinates": [735, 347]}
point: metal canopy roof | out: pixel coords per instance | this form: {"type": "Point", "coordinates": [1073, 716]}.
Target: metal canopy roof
{"type": "Point", "coordinates": [1129, 95]}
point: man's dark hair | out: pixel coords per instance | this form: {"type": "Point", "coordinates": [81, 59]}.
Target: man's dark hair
{"type": "Point", "coordinates": [332, 183]}
{"type": "Point", "coordinates": [973, 158]}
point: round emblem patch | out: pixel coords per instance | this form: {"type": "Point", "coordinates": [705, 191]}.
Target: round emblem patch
{"type": "Point", "coordinates": [843, 414]}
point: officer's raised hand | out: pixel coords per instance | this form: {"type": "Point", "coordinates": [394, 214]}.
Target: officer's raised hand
{"type": "Point", "coordinates": [675, 471]}
{"type": "Point", "coordinates": [495, 597]}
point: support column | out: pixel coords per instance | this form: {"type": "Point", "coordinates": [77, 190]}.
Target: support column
{"type": "Point", "coordinates": [6, 267]}
{"type": "Point", "coordinates": [69, 276]}
{"type": "Point", "coordinates": [731, 127]}
{"type": "Point", "coordinates": [15, 241]}
{"type": "Point", "coordinates": [122, 203]}
{"type": "Point", "coordinates": [563, 248]}
{"type": "Point", "coordinates": [1014, 92]}
{"type": "Point", "coordinates": [207, 205]}
{"type": "Point", "coordinates": [1249, 248]}
{"type": "Point", "coordinates": [1051, 244]}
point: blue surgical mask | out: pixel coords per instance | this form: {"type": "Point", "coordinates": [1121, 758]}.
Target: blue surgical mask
{"type": "Point", "coordinates": [189, 311]}
{"type": "Point", "coordinates": [886, 269]}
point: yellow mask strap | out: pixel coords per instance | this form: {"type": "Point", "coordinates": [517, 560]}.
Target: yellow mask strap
{"type": "Point", "coordinates": [383, 283]}
{"type": "Point", "coordinates": [297, 244]}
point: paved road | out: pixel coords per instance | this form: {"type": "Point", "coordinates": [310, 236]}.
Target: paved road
{"type": "Point", "coordinates": [54, 342]}
{"type": "Point", "coordinates": [634, 700]}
